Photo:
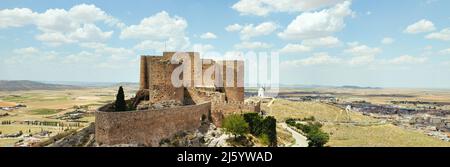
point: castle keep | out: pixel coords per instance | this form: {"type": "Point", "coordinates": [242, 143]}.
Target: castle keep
{"type": "Point", "coordinates": [178, 91]}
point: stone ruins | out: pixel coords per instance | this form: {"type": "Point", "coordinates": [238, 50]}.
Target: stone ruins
{"type": "Point", "coordinates": [165, 107]}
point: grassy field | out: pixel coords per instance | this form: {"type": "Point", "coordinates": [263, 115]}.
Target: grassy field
{"type": "Point", "coordinates": [7, 104]}
{"type": "Point", "coordinates": [351, 135]}
{"type": "Point", "coordinates": [26, 129]}
{"type": "Point", "coordinates": [8, 142]}
{"type": "Point", "coordinates": [44, 111]}
{"type": "Point", "coordinates": [41, 104]}
{"type": "Point", "coordinates": [283, 109]}
{"type": "Point", "coordinates": [379, 136]}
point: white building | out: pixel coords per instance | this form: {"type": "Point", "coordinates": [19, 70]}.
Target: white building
{"type": "Point", "coordinates": [261, 92]}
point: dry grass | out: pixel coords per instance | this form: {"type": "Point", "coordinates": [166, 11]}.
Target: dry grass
{"type": "Point", "coordinates": [8, 142]}
{"type": "Point", "coordinates": [379, 136]}
{"type": "Point", "coordinates": [7, 104]}
{"type": "Point", "coordinates": [350, 135]}
{"type": "Point", "coordinates": [284, 109]}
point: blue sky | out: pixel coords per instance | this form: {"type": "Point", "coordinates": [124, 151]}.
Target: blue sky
{"type": "Point", "coordinates": [385, 43]}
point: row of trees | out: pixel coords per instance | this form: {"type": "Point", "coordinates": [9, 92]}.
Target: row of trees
{"type": "Point", "coordinates": [253, 123]}
{"type": "Point", "coordinates": [316, 137]}
{"type": "Point", "coordinates": [7, 122]}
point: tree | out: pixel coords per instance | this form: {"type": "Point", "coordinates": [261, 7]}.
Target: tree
{"type": "Point", "coordinates": [236, 125]}
{"type": "Point", "coordinates": [317, 138]}
{"type": "Point", "coordinates": [121, 105]}
{"type": "Point", "coordinates": [254, 121]}
{"type": "Point", "coordinates": [269, 126]}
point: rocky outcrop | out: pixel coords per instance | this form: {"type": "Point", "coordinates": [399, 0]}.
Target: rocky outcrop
{"type": "Point", "coordinates": [83, 138]}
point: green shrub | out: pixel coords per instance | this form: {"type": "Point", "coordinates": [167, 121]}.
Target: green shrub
{"type": "Point", "coordinates": [311, 118]}
{"type": "Point", "coordinates": [291, 122]}
{"type": "Point", "coordinates": [317, 138]}
{"type": "Point", "coordinates": [236, 125]}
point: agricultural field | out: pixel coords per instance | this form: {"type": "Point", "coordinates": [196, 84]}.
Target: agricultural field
{"type": "Point", "coordinates": [45, 109]}
{"type": "Point", "coordinates": [374, 95]}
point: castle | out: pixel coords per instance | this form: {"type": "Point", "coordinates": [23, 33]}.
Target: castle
{"type": "Point", "coordinates": [206, 91]}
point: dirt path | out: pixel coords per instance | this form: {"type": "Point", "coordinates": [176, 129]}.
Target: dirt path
{"type": "Point", "coordinates": [300, 140]}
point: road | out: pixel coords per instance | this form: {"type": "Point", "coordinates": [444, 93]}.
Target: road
{"type": "Point", "coordinates": [300, 140]}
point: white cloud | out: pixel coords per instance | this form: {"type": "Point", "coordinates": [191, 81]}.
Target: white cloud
{"type": "Point", "coordinates": [295, 48]}
{"type": "Point", "coordinates": [445, 52]}
{"type": "Point", "coordinates": [16, 17]}
{"type": "Point", "coordinates": [362, 60]}
{"type": "Point", "coordinates": [420, 27]}
{"type": "Point", "coordinates": [387, 40]}
{"type": "Point", "coordinates": [362, 54]}
{"type": "Point", "coordinates": [159, 32]}
{"type": "Point", "coordinates": [407, 59]}
{"type": "Point", "coordinates": [81, 57]}
{"type": "Point", "coordinates": [157, 27]}
{"type": "Point", "coordinates": [357, 49]}
{"type": "Point", "coordinates": [26, 51]}
{"type": "Point", "coordinates": [316, 59]}
{"type": "Point", "coordinates": [250, 31]}
{"type": "Point", "coordinates": [328, 41]}
{"type": "Point", "coordinates": [310, 44]}
{"type": "Point", "coordinates": [55, 38]}
{"type": "Point", "coordinates": [60, 26]}
{"type": "Point", "coordinates": [208, 35]}
{"type": "Point", "coordinates": [171, 44]}
{"type": "Point", "coordinates": [111, 52]}
{"type": "Point", "coordinates": [264, 7]}
{"type": "Point", "coordinates": [90, 32]}
{"type": "Point", "coordinates": [442, 35]}
{"type": "Point", "coordinates": [252, 45]}
{"type": "Point", "coordinates": [233, 28]}
{"type": "Point", "coordinates": [202, 48]}
{"type": "Point", "coordinates": [29, 54]}
{"type": "Point", "coordinates": [318, 24]}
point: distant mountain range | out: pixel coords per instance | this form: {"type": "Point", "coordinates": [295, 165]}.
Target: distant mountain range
{"type": "Point", "coordinates": [321, 86]}
{"type": "Point", "coordinates": [359, 87]}
{"type": "Point", "coordinates": [31, 85]}
{"type": "Point", "coordinates": [14, 85]}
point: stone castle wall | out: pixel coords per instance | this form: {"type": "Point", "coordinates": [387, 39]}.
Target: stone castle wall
{"type": "Point", "coordinates": [234, 85]}
{"type": "Point", "coordinates": [156, 75]}
{"type": "Point", "coordinates": [147, 127]}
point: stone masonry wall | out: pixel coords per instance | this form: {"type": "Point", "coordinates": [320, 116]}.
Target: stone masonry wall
{"type": "Point", "coordinates": [147, 127]}
{"type": "Point", "coordinates": [156, 77]}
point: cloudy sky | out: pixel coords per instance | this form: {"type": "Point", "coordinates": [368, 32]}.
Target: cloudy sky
{"type": "Point", "coordinates": [385, 43]}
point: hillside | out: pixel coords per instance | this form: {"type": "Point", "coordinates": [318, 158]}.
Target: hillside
{"type": "Point", "coordinates": [31, 85]}
{"type": "Point", "coordinates": [348, 135]}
